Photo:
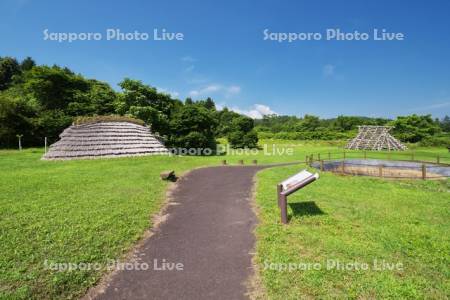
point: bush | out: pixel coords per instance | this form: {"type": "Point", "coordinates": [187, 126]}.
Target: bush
{"type": "Point", "coordinates": [436, 141]}
{"type": "Point", "coordinates": [242, 134]}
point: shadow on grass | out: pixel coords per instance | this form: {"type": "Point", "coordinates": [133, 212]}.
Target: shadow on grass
{"type": "Point", "coordinates": [308, 208]}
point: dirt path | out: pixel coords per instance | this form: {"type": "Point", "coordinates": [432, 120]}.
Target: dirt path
{"type": "Point", "coordinates": [208, 231]}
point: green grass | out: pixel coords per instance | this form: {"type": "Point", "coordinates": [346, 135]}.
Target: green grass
{"type": "Point", "coordinates": [355, 219]}
{"type": "Point", "coordinates": [81, 211]}
{"type": "Point", "coordinates": [96, 210]}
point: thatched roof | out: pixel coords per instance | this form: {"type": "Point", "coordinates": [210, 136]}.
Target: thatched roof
{"type": "Point", "coordinates": [105, 139]}
{"type": "Point", "coordinates": [375, 138]}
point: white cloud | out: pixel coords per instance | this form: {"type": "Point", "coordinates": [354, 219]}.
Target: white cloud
{"type": "Point", "coordinates": [205, 90]}
{"type": "Point", "coordinates": [233, 90]}
{"type": "Point", "coordinates": [258, 111]}
{"type": "Point", "coordinates": [214, 88]}
{"type": "Point", "coordinates": [431, 107]}
{"type": "Point", "coordinates": [328, 70]}
{"type": "Point", "coordinates": [174, 94]}
{"type": "Point", "coordinates": [189, 68]}
{"type": "Point", "coordinates": [188, 58]}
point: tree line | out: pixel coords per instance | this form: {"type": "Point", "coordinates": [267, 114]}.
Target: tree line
{"type": "Point", "coordinates": [41, 101]}
{"type": "Point", "coordinates": [38, 101]}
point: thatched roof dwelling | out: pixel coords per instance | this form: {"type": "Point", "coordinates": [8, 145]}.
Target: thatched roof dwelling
{"type": "Point", "coordinates": [375, 138]}
{"type": "Point", "coordinates": [105, 139]}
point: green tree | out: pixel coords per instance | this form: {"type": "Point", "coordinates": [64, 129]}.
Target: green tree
{"type": "Point", "coordinates": [414, 128]}
{"type": "Point", "coordinates": [193, 126]}
{"type": "Point", "coordinates": [9, 67]}
{"type": "Point", "coordinates": [242, 134]}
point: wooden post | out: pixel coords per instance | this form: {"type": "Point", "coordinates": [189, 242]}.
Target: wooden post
{"type": "Point", "coordinates": [241, 161]}
{"type": "Point", "coordinates": [424, 171]}
{"type": "Point", "coordinates": [318, 156]}
{"type": "Point", "coordinates": [19, 136]}
{"type": "Point", "coordinates": [321, 166]}
{"type": "Point", "coordinates": [343, 166]}
{"type": "Point", "coordinates": [306, 159]}
{"type": "Point", "coordinates": [438, 159]}
{"type": "Point", "coordinates": [310, 160]}
{"type": "Point", "coordinates": [279, 190]}
{"type": "Point", "coordinates": [380, 170]}
{"type": "Point", "coordinates": [255, 162]}
{"type": "Point", "coordinates": [344, 154]}
{"type": "Point", "coordinates": [329, 156]}
{"type": "Point", "coordinates": [224, 162]}
{"type": "Point", "coordinates": [283, 208]}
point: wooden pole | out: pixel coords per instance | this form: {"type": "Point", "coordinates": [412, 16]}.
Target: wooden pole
{"type": "Point", "coordinates": [380, 170]}
{"type": "Point", "coordinates": [343, 166]}
{"type": "Point", "coordinates": [321, 166]}
{"type": "Point", "coordinates": [279, 190]}
{"type": "Point", "coordinates": [255, 162]}
{"type": "Point", "coordinates": [424, 171]}
{"type": "Point", "coordinates": [318, 156]}
{"type": "Point", "coordinates": [438, 159]}
{"type": "Point", "coordinates": [283, 208]}
{"type": "Point", "coordinates": [241, 161]}
{"type": "Point", "coordinates": [329, 156]}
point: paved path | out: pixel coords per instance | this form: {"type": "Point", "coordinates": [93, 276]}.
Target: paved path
{"type": "Point", "coordinates": [209, 231]}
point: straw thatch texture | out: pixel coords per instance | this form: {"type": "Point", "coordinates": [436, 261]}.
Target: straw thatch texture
{"type": "Point", "coordinates": [375, 138]}
{"type": "Point", "coordinates": [105, 139]}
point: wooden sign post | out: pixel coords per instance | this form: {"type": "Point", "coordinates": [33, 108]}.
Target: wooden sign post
{"type": "Point", "coordinates": [291, 185]}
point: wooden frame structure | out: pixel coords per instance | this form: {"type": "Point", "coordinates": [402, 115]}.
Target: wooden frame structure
{"type": "Point", "coordinates": [375, 138]}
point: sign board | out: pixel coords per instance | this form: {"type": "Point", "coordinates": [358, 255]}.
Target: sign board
{"type": "Point", "coordinates": [297, 178]}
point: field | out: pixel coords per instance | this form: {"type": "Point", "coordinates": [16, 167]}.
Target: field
{"type": "Point", "coordinates": [356, 221]}
{"type": "Point", "coordinates": [95, 210]}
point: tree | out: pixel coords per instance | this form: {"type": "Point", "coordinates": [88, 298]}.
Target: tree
{"type": "Point", "coordinates": [27, 64]}
{"type": "Point", "coordinates": [193, 126]}
{"type": "Point", "coordinates": [9, 67]}
{"type": "Point", "coordinates": [242, 134]}
{"type": "Point", "coordinates": [414, 128]}
{"type": "Point", "coordinates": [445, 124]}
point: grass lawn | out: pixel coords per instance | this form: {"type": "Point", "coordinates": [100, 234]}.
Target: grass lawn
{"type": "Point", "coordinates": [95, 210]}
{"type": "Point", "coordinates": [343, 219]}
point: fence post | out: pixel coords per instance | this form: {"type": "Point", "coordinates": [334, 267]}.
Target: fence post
{"type": "Point", "coordinates": [424, 171]}
{"type": "Point", "coordinates": [344, 154]}
{"type": "Point", "coordinates": [380, 170]}
{"type": "Point", "coordinates": [279, 190]}
{"type": "Point", "coordinates": [306, 159]}
{"type": "Point", "coordinates": [438, 159]}
{"type": "Point", "coordinates": [255, 162]}
{"type": "Point", "coordinates": [343, 166]}
{"type": "Point", "coordinates": [311, 159]}
{"type": "Point", "coordinates": [283, 208]}
{"type": "Point", "coordinates": [318, 156]}
{"type": "Point", "coordinates": [329, 156]}
{"type": "Point", "coordinates": [241, 161]}
{"type": "Point", "coordinates": [321, 166]}
{"type": "Point", "coordinates": [224, 162]}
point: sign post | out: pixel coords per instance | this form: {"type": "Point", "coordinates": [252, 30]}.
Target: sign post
{"type": "Point", "coordinates": [291, 185]}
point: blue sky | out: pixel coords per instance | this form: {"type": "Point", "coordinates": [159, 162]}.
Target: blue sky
{"type": "Point", "coordinates": [224, 54]}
